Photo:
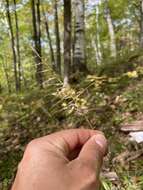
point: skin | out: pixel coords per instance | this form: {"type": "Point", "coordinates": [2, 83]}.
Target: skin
{"type": "Point", "coordinates": [66, 160]}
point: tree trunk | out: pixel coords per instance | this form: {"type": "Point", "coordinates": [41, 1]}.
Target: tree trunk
{"type": "Point", "coordinates": [17, 46]}
{"type": "Point", "coordinates": [39, 50]}
{"type": "Point", "coordinates": [36, 20]}
{"type": "Point", "coordinates": [97, 43]}
{"type": "Point", "coordinates": [6, 73]}
{"type": "Point", "coordinates": [141, 23]}
{"type": "Point", "coordinates": [12, 46]}
{"type": "Point", "coordinates": [111, 30]}
{"type": "Point", "coordinates": [67, 41]}
{"type": "Point", "coordinates": [57, 34]}
{"type": "Point", "coordinates": [49, 40]}
{"type": "Point", "coordinates": [94, 45]}
{"type": "Point", "coordinates": [79, 46]}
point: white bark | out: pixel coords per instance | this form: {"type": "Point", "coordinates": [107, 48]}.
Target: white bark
{"type": "Point", "coordinates": [113, 48]}
{"type": "Point", "coordinates": [98, 44]}
{"type": "Point", "coordinates": [94, 45]}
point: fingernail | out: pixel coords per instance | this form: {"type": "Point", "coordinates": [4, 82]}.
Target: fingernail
{"type": "Point", "coordinates": [101, 141]}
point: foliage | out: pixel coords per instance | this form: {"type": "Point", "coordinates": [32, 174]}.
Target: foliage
{"type": "Point", "coordinates": [96, 102]}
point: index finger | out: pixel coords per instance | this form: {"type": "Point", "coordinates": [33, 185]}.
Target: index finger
{"type": "Point", "coordinates": [68, 140]}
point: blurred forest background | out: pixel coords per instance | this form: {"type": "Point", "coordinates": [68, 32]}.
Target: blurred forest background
{"type": "Point", "coordinates": [70, 64]}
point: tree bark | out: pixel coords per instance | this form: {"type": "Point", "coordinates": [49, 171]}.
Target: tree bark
{"type": "Point", "coordinates": [36, 20]}
{"type": "Point", "coordinates": [141, 23]}
{"type": "Point", "coordinates": [67, 41]}
{"type": "Point", "coordinates": [17, 46]}
{"type": "Point", "coordinates": [113, 48]}
{"type": "Point", "coordinates": [98, 43]}
{"type": "Point", "coordinates": [4, 63]}
{"type": "Point", "coordinates": [49, 40]}
{"type": "Point", "coordinates": [79, 46]}
{"type": "Point", "coordinates": [95, 47]}
{"type": "Point", "coordinates": [57, 34]}
{"type": "Point", "coordinates": [12, 46]}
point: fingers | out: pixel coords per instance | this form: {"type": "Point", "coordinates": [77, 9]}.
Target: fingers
{"type": "Point", "coordinates": [93, 151]}
{"type": "Point", "coordinates": [69, 140]}
{"type": "Point", "coordinates": [99, 141]}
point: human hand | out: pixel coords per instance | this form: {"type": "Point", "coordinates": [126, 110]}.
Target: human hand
{"type": "Point", "coordinates": [66, 160]}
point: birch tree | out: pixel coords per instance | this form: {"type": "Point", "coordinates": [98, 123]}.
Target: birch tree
{"type": "Point", "coordinates": [113, 48]}
{"type": "Point", "coordinates": [98, 43]}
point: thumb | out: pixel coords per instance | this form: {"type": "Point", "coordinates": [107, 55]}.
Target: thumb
{"type": "Point", "coordinates": [93, 151]}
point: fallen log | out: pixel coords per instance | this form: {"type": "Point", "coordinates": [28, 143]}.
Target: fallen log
{"type": "Point", "coordinates": [133, 127]}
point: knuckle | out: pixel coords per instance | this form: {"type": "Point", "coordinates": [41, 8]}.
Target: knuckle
{"type": "Point", "coordinates": [31, 154]}
{"type": "Point", "coordinates": [34, 143]}
{"type": "Point", "coordinates": [33, 147]}
{"type": "Point", "coordinates": [19, 166]}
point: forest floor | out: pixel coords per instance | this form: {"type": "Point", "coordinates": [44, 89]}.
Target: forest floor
{"type": "Point", "coordinates": [106, 100]}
